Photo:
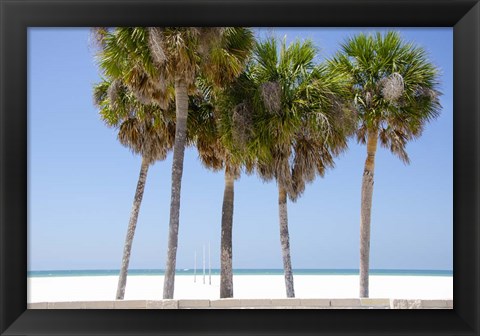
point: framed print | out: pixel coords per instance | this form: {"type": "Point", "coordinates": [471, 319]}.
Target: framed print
{"type": "Point", "coordinates": [19, 19]}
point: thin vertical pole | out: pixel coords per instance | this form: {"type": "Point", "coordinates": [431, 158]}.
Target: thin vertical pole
{"type": "Point", "coordinates": [204, 264]}
{"type": "Point", "coordinates": [209, 265]}
{"type": "Point", "coordinates": [195, 268]}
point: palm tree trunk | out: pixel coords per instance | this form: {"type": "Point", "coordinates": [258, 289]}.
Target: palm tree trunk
{"type": "Point", "coordinates": [226, 271]}
{"type": "Point", "coordinates": [181, 102]}
{"type": "Point", "coordinates": [366, 208]}
{"type": "Point", "coordinates": [132, 224]}
{"type": "Point", "coordinates": [285, 241]}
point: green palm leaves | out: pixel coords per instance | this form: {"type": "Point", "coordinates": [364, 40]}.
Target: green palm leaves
{"type": "Point", "coordinates": [294, 125]}
{"type": "Point", "coordinates": [159, 65]}
{"type": "Point", "coordinates": [302, 121]}
{"type": "Point", "coordinates": [144, 130]}
{"type": "Point", "coordinates": [125, 56]}
{"type": "Point", "coordinates": [264, 107]}
{"type": "Point", "coordinates": [394, 90]}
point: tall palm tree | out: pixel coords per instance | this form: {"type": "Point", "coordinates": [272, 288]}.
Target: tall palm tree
{"type": "Point", "coordinates": [142, 129]}
{"type": "Point", "coordinates": [207, 121]}
{"type": "Point", "coordinates": [395, 93]}
{"type": "Point", "coordinates": [215, 156]}
{"type": "Point", "coordinates": [150, 60]}
{"type": "Point", "coordinates": [234, 125]}
{"type": "Point", "coordinates": [300, 128]}
{"type": "Point", "coordinates": [214, 122]}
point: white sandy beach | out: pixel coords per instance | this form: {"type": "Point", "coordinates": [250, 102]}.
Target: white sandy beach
{"type": "Point", "coordinates": [141, 287]}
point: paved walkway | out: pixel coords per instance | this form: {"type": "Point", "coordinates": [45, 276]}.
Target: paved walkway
{"type": "Point", "coordinates": [293, 303]}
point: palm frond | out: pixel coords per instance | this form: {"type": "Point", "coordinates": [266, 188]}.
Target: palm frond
{"type": "Point", "coordinates": [393, 87]}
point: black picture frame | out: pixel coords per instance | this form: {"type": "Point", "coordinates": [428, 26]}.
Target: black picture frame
{"type": "Point", "coordinates": [17, 15]}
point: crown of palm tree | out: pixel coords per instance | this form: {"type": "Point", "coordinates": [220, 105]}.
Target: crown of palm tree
{"type": "Point", "coordinates": [125, 55]}
{"type": "Point", "coordinates": [211, 116]}
{"type": "Point", "coordinates": [300, 120]}
{"type": "Point", "coordinates": [141, 128]}
{"type": "Point", "coordinates": [148, 60]}
{"type": "Point", "coordinates": [393, 85]}
{"type": "Point", "coordinates": [202, 129]}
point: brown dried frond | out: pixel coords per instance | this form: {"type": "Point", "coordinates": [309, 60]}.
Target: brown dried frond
{"type": "Point", "coordinates": [208, 37]}
{"type": "Point", "coordinates": [271, 93]}
{"type": "Point", "coordinates": [161, 99]}
{"type": "Point", "coordinates": [211, 154]}
{"type": "Point", "coordinates": [129, 134]}
{"type": "Point", "coordinates": [242, 124]}
{"type": "Point", "coordinates": [249, 166]}
{"type": "Point", "coordinates": [281, 166]}
{"type": "Point", "coordinates": [99, 94]}
{"type": "Point", "coordinates": [139, 85]}
{"type": "Point", "coordinates": [383, 136]}
{"type": "Point", "coordinates": [182, 55]}
{"type": "Point", "coordinates": [342, 115]}
{"type": "Point", "coordinates": [265, 171]}
{"type": "Point", "coordinates": [156, 45]}
{"type": "Point", "coordinates": [393, 87]}
{"type": "Point", "coordinates": [395, 140]}
{"type": "Point", "coordinates": [326, 161]}
{"type": "Point", "coordinates": [147, 90]}
{"type": "Point", "coordinates": [362, 134]}
{"type": "Point", "coordinates": [304, 159]}
{"type": "Point", "coordinates": [426, 92]}
{"type": "Point", "coordinates": [298, 186]}
{"type": "Point", "coordinates": [399, 150]}
{"type": "Point", "coordinates": [154, 146]}
{"type": "Point", "coordinates": [114, 92]}
{"type": "Point", "coordinates": [97, 37]}
{"type": "Point", "coordinates": [160, 82]}
{"type": "Point", "coordinates": [398, 143]}
{"type": "Point", "coordinates": [145, 137]}
{"type": "Point", "coordinates": [311, 158]}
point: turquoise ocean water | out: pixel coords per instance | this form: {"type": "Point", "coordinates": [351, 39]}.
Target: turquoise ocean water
{"type": "Point", "coordinates": [76, 273]}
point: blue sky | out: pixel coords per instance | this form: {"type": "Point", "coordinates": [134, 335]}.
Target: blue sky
{"type": "Point", "coordinates": [81, 181]}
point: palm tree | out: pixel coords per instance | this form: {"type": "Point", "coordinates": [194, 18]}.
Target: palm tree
{"type": "Point", "coordinates": [395, 93]}
{"type": "Point", "coordinates": [150, 60]}
{"type": "Point", "coordinates": [215, 156]}
{"type": "Point", "coordinates": [210, 120]}
{"type": "Point", "coordinates": [142, 129]}
{"type": "Point", "coordinates": [215, 123]}
{"type": "Point", "coordinates": [234, 125]}
{"type": "Point", "coordinates": [300, 128]}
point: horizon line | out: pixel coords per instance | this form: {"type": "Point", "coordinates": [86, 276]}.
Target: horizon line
{"type": "Point", "coordinates": [281, 269]}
